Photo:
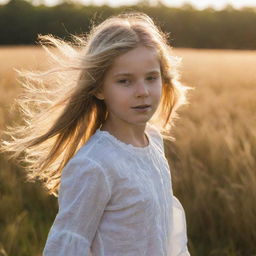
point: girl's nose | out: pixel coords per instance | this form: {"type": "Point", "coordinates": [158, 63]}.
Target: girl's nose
{"type": "Point", "coordinates": [141, 89]}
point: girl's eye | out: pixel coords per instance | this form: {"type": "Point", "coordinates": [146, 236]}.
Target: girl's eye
{"type": "Point", "coordinates": [124, 81]}
{"type": "Point", "coordinates": [151, 78]}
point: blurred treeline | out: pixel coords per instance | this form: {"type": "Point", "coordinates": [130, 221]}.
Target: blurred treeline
{"type": "Point", "coordinates": [21, 21]}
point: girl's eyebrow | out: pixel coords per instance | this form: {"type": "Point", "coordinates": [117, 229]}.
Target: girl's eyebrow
{"type": "Point", "coordinates": [131, 74]}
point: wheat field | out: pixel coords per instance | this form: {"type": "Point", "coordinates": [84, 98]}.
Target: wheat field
{"type": "Point", "coordinates": [212, 160]}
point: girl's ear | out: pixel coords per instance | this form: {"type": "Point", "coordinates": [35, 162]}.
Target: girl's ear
{"type": "Point", "coordinates": [99, 95]}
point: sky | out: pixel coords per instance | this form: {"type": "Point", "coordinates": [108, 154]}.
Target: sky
{"type": "Point", "coordinates": [199, 4]}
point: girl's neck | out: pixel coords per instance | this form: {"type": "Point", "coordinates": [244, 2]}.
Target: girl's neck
{"type": "Point", "coordinates": [132, 135]}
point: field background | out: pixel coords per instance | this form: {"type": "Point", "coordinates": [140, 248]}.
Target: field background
{"type": "Point", "coordinates": [212, 161]}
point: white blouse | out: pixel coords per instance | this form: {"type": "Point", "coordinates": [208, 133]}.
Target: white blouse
{"type": "Point", "coordinates": [116, 199]}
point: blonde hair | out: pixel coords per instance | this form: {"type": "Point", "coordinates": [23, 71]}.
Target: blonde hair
{"type": "Point", "coordinates": [60, 109]}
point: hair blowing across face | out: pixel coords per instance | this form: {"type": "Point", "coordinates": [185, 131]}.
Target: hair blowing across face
{"type": "Point", "coordinates": [60, 109]}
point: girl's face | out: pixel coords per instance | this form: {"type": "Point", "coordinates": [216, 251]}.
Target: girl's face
{"type": "Point", "coordinates": [132, 88]}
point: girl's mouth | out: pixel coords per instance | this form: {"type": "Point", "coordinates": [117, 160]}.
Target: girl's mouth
{"type": "Point", "coordinates": [142, 108]}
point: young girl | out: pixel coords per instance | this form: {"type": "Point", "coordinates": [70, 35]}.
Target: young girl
{"type": "Point", "coordinates": [93, 135]}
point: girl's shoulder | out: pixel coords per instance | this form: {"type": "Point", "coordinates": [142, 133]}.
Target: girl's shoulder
{"type": "Point", "coordinates": [87, 162]}
{"type": "Point", "coordinates": [95, 148]}
{"type": "Point", "coordinates": [100, 149]}
{"type": "Point", "coordinates": [156, 136]}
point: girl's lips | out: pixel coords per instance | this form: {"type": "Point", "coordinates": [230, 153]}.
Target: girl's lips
{"type": "Point", "coordinates": [142, 108]}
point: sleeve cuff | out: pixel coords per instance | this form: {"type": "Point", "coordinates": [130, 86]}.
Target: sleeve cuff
{"type": "Point", "coordinates": [61, 243]}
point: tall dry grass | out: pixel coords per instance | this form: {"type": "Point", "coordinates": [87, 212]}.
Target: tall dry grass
{"type": "Point", "coordinates": [215, 173]}
{"type": "Point", "coordinates": [212, 160]}
{"type": "Point", "coordinates": [26, 211]}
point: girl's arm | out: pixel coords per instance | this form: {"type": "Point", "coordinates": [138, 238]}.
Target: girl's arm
{"type": "Point", "coordinates": [83, 196]}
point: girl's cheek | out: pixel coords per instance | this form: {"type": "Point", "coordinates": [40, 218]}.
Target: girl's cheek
{"type": "Point", "coordinates": [158, 89]}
